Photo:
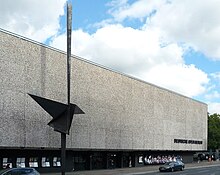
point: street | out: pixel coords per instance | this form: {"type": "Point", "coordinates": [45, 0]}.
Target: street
{"type": "Point", "coordinates": [211, 170]}
{"type": "Point", "coordinates": [203, 168]}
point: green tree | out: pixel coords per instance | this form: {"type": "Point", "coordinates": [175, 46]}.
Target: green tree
{"type": "Point", "coordinates": [214, 131]}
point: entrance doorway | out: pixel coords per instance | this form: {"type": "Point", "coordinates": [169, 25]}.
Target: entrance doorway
{"type": "Point", "coordinates": [113, 160]}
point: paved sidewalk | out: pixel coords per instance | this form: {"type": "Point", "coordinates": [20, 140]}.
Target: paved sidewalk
{"type": "Point", "coordinates": [134, 170]}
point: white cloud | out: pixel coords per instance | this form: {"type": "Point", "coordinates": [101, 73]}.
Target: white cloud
{"type": "Point", "coordinates": [138, 53]}
{"type": "Point", "coordinates": [213, 95]}
{"type": "Point", "coordinates": [194, 22]}
{"type": "Point", "coordinates": [214, 108]}
{"type": "Point", "coordinates": [35, 19]}
{"type": "Point", "coordinates": [139, 9]}
{"type": "Point", "coordinates": [186, 80]}
{"type": "Point", "coordinates": [122, 48]}
{"type": "Point", "coordinates": [216, 75]}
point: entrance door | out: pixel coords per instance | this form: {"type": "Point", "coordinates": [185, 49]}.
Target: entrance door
{"type": "Point", "coordinates": [114, 160]}
{"type": "Point", "coordinates": [97, 160]}
{"type": "Point", "coordinates": [127, 159]}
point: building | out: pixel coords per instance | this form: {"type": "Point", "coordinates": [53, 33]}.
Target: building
{"type": "Point", "coordinates": [127, 122]}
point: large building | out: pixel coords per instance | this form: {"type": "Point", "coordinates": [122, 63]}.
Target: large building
{"type": "Point", "coordinates": [127, 122]}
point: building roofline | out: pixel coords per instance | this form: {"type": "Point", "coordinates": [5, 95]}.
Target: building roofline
{"type": "Point", "coordinates": [93, 63]}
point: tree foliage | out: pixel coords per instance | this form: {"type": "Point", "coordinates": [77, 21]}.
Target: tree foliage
{"type": "Point", "coordinates": [214, 131]}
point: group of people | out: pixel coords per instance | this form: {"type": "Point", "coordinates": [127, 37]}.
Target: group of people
{"type": "Point", "coordinates": [160, 159]}
{"type": "Point", "coordinates": [6, 166]}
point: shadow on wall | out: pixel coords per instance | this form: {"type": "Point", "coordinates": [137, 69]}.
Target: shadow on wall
{"type": "Point", "coordinates": [43, 70]}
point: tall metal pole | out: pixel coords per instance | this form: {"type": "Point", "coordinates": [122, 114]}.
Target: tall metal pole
{"type": "Point", "coordinates": [69, 30]}
{"type": "Point", "coordinates": [63, 135]}
{"type": "Point", "coordinates": [63, 153]}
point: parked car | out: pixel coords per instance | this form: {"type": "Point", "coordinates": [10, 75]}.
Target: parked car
{"type": "Point", "coordinates": [19, 171]}
{"type": "Point", "coordinates": [172, 166]}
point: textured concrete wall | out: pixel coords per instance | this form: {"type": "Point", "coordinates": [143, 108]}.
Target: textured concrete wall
{"type": "Point", "coordinates": [121, 112]}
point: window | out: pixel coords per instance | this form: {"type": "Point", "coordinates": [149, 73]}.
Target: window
{"type": "Point", "coordinates": [20, 163]}
{"type": "Point", "coordinates": [7, 162]}
{"type": "Point", "coordinates": [45, 162]}
{"type": "Point", "coordinates": [33, 162]}
{"type": "Point", "coordinates": [56, 161]}
{"type": "Point", "coordinates": [140, 159]}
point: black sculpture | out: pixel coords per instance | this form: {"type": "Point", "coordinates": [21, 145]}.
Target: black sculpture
{"type": "Point", "coordinates": [62, 113]}
{"type": "Point", "coordinates": [61, 122]}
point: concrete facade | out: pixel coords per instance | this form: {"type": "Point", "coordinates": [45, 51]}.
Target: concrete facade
{"type": "Point", "coordinates": [121, 112]}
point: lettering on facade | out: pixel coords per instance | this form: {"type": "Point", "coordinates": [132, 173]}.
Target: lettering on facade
{"type": "Point", "coordinates": [187, 141]}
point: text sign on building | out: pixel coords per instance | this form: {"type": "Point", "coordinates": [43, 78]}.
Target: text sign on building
{"type": "Point", "coordinates": [187, 141]}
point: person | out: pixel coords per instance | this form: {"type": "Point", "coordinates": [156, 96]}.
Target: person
{"type": "Point", "coordinates": [111, 163]}
{"type": "Point", "coordinates": [199, 158]}
{"type": "Point", "coordinates": [129, 164]}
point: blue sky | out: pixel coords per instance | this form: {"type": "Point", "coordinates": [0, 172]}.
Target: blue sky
{"type": "Point", "coordinates": [174, 44]}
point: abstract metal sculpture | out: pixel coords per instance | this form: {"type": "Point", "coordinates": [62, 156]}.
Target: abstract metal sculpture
{"type": "Point", "coordinates": [62, 113]}
{"type": "Point", "coordinates": [61, 122]}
